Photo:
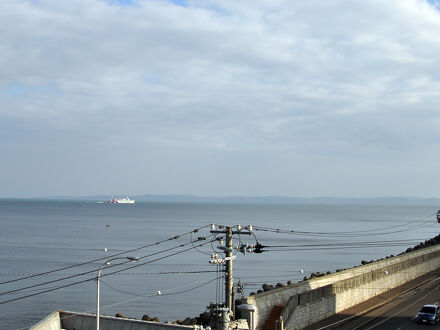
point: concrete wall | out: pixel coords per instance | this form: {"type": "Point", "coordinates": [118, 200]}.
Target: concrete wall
{"type": "Point", "coordinates": [310, 301]}
{"type": "Point", "coordinates": [71, 321]}
{"type": "Point", "coordinates": [51, 322]}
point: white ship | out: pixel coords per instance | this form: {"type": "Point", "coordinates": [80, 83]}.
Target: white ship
{"type": "Point", "coordinates": [121, 201]}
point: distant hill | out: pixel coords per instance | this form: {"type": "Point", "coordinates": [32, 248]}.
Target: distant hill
{"type": "Point", "coordinates": [266, 199]}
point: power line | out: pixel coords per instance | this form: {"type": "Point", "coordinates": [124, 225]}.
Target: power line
{"type": "Point", "coordinates": [120, 291]}
{"type": "Point", "coordinates": [103, 258]}
{"type": "Point", "coordinates": [137, 298]}
{"type": "Point", "coordinates": [332, 248]}
{"type": "Point", "coordinates": [162, 294]}
{"type": "Point", "coordinates": [125, 274]}
{"type": "Point", "coordinates": [157, 259]}
{"type": "Point", "coordinates": [196, 287]}
{"type": "Point", "coordinates": [350, 244]}
{"type": "Point", "coordinates": [91, 279]}
{"type": "Point", "coordinates": [115, 272]}
{"type": "Point", "coordinates": [409, 225]}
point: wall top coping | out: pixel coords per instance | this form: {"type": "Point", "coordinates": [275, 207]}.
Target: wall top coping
{"type": "Point", "coordinates": [121, 319]}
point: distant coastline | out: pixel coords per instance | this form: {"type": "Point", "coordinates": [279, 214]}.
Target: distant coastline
{"type": "Point", "coordinates": [256, 199]}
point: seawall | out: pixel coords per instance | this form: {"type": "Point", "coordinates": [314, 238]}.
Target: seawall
{"type": "Point", "coordinates": [310, 301]}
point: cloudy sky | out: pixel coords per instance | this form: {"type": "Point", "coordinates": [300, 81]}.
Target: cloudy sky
{"type": "Point", "coordinates": [299, 98]}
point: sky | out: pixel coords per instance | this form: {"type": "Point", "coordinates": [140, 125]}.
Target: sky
{"type": "Point", "coordinates": [213, 98]}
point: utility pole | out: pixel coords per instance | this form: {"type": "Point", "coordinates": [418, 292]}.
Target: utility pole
{"type": "Point", "coordinates": [229, 280]}
{"type": "Point", "coordinates": [228, 249]}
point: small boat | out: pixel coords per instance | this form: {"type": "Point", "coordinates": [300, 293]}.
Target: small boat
{"type": "Point", "coordinates": [121, 201]}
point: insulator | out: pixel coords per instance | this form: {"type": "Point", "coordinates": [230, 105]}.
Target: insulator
{"type": "Point", "coordinates": [238, 227]}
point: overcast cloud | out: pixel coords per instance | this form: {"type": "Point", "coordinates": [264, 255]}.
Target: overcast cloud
{"type": "Point", "coordinates": [297, 98]}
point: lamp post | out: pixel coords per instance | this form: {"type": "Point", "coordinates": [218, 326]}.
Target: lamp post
{"type": "Point", "coordinates": [97, 283]}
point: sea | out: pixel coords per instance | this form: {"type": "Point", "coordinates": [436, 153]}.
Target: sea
{"type": "Point", "coordinates": [51, 251]}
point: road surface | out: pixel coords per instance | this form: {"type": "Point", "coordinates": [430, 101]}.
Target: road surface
{"type": "Point", "coordinates": [395, 314]}
{"type": "Point", "coordinates": [400, 312]}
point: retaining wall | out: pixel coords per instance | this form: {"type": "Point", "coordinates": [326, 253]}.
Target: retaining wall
{"type": "Point", "coordinates": [313, 300]}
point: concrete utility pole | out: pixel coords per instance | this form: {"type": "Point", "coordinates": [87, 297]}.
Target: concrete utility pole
{"type": "Point", "coordinates": [229, 280]}
{"type": "Point", "coordinates": [228, 249]}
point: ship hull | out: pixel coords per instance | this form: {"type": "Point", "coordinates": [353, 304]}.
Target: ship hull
{"type": "Point", "coordinates": [121, 201]}
{"type": "Point", "coordinates": [124, 201]}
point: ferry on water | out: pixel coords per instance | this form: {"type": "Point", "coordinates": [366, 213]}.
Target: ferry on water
{"type": "Point", "coordinates": [121, 201]}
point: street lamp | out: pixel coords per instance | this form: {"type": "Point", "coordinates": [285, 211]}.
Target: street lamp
{"type": "Point", "coordinates": [97, 283]}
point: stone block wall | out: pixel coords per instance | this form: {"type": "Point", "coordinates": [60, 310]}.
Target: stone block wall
{"type": "Point", "coordinates": [310, 301]}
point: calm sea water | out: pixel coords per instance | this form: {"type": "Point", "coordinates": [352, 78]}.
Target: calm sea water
{"type": "Point", "coordinates": [43, 236]}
